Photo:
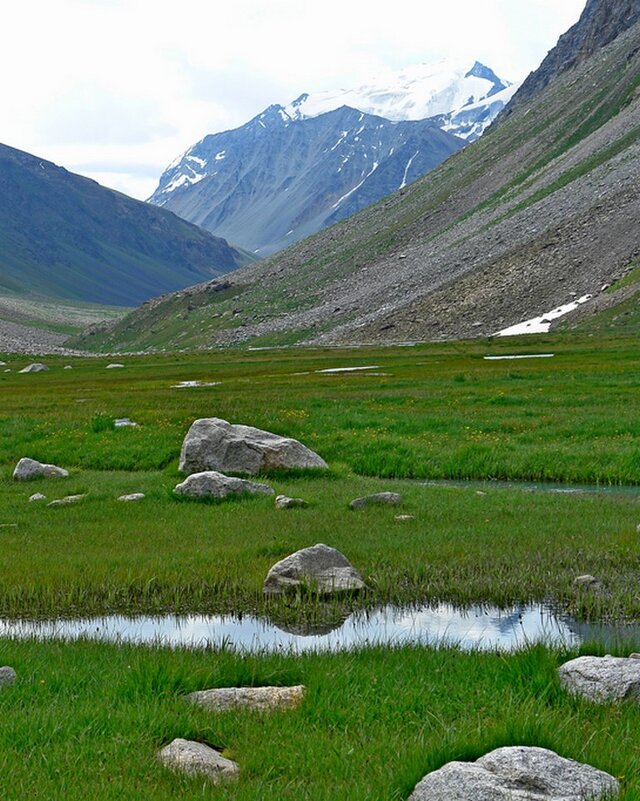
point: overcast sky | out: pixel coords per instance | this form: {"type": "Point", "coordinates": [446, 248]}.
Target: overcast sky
{"type": "Point", "coordinates": [116, 89]}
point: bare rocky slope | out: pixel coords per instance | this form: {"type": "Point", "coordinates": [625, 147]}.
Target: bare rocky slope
{"type": "Point", "coordinates": [544, 208]}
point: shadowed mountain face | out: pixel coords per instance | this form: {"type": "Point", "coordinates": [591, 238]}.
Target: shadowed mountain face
{"type": "Point", "coordinates": [542, 210]}
{"type": "Point", "coordinates": [66, 236]}
{"type": "Point", "coordinates": [276, 180]}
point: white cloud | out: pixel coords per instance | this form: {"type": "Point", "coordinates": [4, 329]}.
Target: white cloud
{"type": "Point", "coordinates": [141, 80]}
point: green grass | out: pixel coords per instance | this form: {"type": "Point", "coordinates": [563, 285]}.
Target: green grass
{"type": "Point", "coordinates": [86, 721]}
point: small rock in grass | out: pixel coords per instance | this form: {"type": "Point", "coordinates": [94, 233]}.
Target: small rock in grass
{"type": "Point", "coordinates": [404, 518]}
{"type": "Point", "coordinates": [211, 484]}
{"type": "Point", "coordinates": [607, 678]}
{"type": "Point", "coordinates": [378, 499]}
{"type": "Point", "coordinates": [195, 758]}
{"type": "Point", "coordinates": [7, 676]}
{"type": "Point", "coordinates": [68, 500]}
{"type": "Point", "coordinates": [261, 699]}
{"type": "Point", "coordinates": [37, 496]}
{"type": "Point", "coordinates": [124, 422]}
{"type": "Point", "coordinates": [516, 772]}
{"type": "Point", "coordinates": [284, 502]}
{"type": "Point", "coordinates": [587, 582]}
{"type": "Point", "coordinates": [320, 569]}
{"type": "Point", "coordinates": [31, 468]}
{"type": "Point", "coordinates": [36, 367]}
{"type": "Point", "coordinates": [135, 496]}
{"type": "Point", "coordinates": [634, 656]}
{"type": "Point", "coordinates": [113, 366]}
{"type": "Point", "coordinates": [67, 367]}
{"type": "Point", "coordinates": [480, 493]}
{"type": "Point", "coordinates": [3, 364]}
{"type": "Point", "coordinates": [638, 528]}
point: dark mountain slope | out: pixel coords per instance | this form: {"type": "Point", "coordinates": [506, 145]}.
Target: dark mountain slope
{"type": "Point", "coordinates": [544, 208]}
{"type": "Point", "coordinates": [601, 22]}
{"type": "Point", "coordinates": [66, 236]}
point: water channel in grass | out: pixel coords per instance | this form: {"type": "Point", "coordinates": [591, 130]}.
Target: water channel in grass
{"type": "Point", "coordinates": [484, 485]}
{"type": "Point", "coordinates": [478, 627]}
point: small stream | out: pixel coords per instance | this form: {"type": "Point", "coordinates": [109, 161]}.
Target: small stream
{"type": "Point", "coordinates": [478, 627]}
{"type": "Point", "coordinates": [484, 485]}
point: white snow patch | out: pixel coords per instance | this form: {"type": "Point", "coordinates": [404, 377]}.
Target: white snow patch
{"type": "Point", "coordinates": [343, 136]}
{"type": "Point", "coordinates": [348, 369]}
{"type": "Point", "coordinates": [542, 324]}
{"type": "Point", "coordinates": [520, 356]}
{"type": "Point", "coordinates": [406, 170]}
{"type": "Point", "coordinates": [200, 162]}
{"type": "Point", "coordinates": [355, 188]}
{"type": "Point", "coordinates": [220, 155]}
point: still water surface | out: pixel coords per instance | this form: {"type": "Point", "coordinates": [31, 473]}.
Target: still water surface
{"type": "Point", "coordinates": [477, 627]}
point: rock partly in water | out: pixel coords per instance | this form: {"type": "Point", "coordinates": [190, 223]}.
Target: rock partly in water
{"type": "Point", "coordinates": [261, 699]}
{"type": "Point", "coordinates": [516, 774]}
{"type": "Point", "coordinates": [134, 496]}
{"type": "Point", "coordinates": [377, 499]}
{"type": "Point", "coordinates": [320, 569]}
{"type": "Point", "coordinates": [600, 679]}
{"type": "Point", "coordinates": [215, 444]}
{"type": "Point", "coordinates": [36, 367]}
{"type": "Point", "coordinates": [211, 484]}
{"type": "Point", "coordinates": [284, 502]}
{"type": "Point", "coordinates": [31, 468]}
{"type": "Point", "coordinates": [68, 500]}
{"type": "Point", "coordinates": [37, 496]}
{"type": "Point", "coordinates": [7, 675]}
{"type": "Point", "coordinates": [193, 758]}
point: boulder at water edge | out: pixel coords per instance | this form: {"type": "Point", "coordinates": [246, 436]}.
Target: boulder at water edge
{"type": "Point", "coordinates": [30, 468]}
{"type": "Point", "coordinates": [211, 484]}
{"type": "Point", "coordinates": [516, 774]}
{"type": "Point", "coordinates": [215, 444]}
{"type": "Point", "coordinates": [607, 678]}
{"type": "Point", "coordinates": [194, 758]}
{"type": "Point", "coordinates": [261, 699]}
{"type": "Point", "coordinates": [320, 569]}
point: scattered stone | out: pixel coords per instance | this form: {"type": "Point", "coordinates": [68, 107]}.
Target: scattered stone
{"type": "Point", "coordinates": [320, 568]}
{"type": "Point", "coordinates": [480, 493]}
{"type": "Point", "coordinates": [7, 676]}
{"type": "Point", "coordinates": [3, 364]}
{"type": "Point", "coordinates": [8, 525]}
{"type": "Point", "coordinates": [587, 582]}
{"type": "Point", "coordinates": [507, 774]}
{"type": "Point", "coordinates": [261, 699]}
{"type": "Point", "coordinates": [284, 502]}
{"type": "Point", "coordinates": [113, 366]}
{"type": "Point", "coordinates": [211, 484]}
{"type": "Point", "coordinates": [67, 367]}
{"type": "Point", "coordinates": [30, 468]}
{"type": "Point", "coordinates": [190, 384]}
{"type": "Point", "coordinates": [68, 500]}
{"type": "Point", "coordinates": [638, 528]}
{"type": "Point", "coordinates": [37, 496]}
{"type": "Point", "coordinates": [36, 367]}
{"type": "Point", "coordinates": [404, 518]}
{"type": "Point", "coordinates": [214, 444]}
{"type": "Point", "coordinates": [134, 496]}
{"type": "Point", "coordinates": [378, 499]}
{"type": "Point", "coordinates": [634, 656]}
{"type": "Point", "coordinates": [194, 758]}
{"type": "Point", "coordinates": [123, 422]}
{"type": "Point", "coordinates": [607, 678]}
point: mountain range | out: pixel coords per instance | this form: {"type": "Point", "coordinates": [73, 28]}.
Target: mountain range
{"type": "Point", "coordinates": [65, 236]}
{"type": "Point", "coordinates": [293, 170]}
{"type": "Point", "coordinates": [542, 210]}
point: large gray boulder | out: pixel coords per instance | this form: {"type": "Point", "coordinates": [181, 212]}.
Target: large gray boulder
{"type": "Point", "coordinates": [261, 699]}
{"type": "Point", "coordinates": [7, 675]}
{"type": "Point", "coordinates": [30, 468]}
{"type": "Point", "coordinates": [516, 774]}
{"type": "Point", "coordinates": [193, 758]}
{"type": "Point", "coordinates": [320, 569]}
{"type": "Point", "coordinates": [215, 444]}
{"type": "Point", "coordinates": [211, 484]}
{"type": "Point", "coordinates": [607, 678]}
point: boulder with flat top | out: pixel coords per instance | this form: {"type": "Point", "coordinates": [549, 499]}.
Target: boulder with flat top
{"type": "Point", "coordinates": [319, 569]}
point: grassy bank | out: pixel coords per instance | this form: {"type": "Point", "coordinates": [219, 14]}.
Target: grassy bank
{"type": "Point", "coordinates": [86, 720]}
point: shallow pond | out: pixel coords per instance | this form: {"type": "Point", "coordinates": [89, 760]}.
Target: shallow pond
{"type": "Point", "coordinates": [478, 627]}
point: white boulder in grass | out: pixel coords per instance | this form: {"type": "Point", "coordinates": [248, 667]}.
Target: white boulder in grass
{"type": "Point", "coordinates": [602, 679]}
{"type": "Point", "coordinates": [260, 699]}
{"type": "Point", "coordinates": [31, 468]}
{"type": "Point", "coordinates": [211, 484]}
{"type": "Point", "coordinates": [193, 758]}
{"type": "Point", "coordinates": [36, 367]}
{"type": "Point", "coordinates": [215, 444]}
{"type": "Point", "coordinates": [517, 773]}
{"type": "Point", "coordinates": [319, 568]}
